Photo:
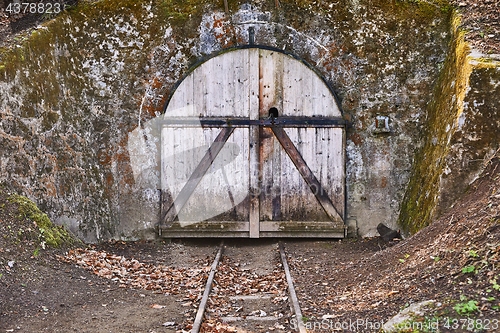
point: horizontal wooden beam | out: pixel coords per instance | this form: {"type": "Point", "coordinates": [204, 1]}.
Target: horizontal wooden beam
{"type": "Point", "coordinates": [320, 122]}
{"type": "Point", "coordinates": [223, 226]}
{"type": "Point", "coordinates": [302, 226]}
{"type": "Point", "coordinates": [298, 234]}
{"type": "Point", "coordinates": [219, 229]}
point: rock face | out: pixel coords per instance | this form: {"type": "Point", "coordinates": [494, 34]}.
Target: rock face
{"type": "Point", "coordinates": [477, 136]}
{"type": "Point", "coordinates": [461, 134]}
{"type": "Point", "coordinates": [407, 319]}
{"type": "Point", "coordinates": [80, 98]}
{"type": "Point", "coordinates": [387, 233]}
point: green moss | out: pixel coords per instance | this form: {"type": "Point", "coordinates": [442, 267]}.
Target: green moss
{"type": "Point", "coordinates": [419, 203]}
{"type": "Point", "coordinates": [410, 9]}
{"type": "Point", "coordinates": [483, 62]}
{"type": "Point", "coordinates": [50, 234]}
{"type": "Point", "coordinates": [442, 5]}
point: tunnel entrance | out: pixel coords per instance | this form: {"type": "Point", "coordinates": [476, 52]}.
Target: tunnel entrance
{"type": "Point", "coordinates": [253, 145]}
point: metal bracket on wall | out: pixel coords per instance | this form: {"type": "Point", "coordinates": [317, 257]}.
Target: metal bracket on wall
{"type": "Point", "coordinates": [251, 36]}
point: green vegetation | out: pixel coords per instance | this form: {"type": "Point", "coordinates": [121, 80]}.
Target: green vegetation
{"type": "Point", "coordinates": [495, 285]}
{"type": "Point", "coordinates": [49, 233]}
{"type": "Point", "coordinates": [473, 254]}
{"type": "Point", "coordinates": [466, 307]}
{"type": "Point", "coordinates": [401, 260]}
{"type": "Point", "coordinates": [469, 269]}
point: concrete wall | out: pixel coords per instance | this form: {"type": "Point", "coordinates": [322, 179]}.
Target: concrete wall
{"type": "Point", "coordinates": [476, 139]}
{"type": "Point", "coordinates": [79, 98]}
{"type": "Point", "coordinates": [461, 135]}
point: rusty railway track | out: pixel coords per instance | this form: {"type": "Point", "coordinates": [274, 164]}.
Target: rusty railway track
{"type": "Point", "coordinates": [242, 303]}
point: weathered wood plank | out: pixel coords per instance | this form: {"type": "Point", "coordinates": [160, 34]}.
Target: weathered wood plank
{"type": "Point", "coordinates": [298, 200]}
{"type": "Point", "coordinates": [243, 85]}
{"type": "Point", "coordinates": [267, 73]}
{"type": "Point", "coordinates": [211, 92]}
{"type": "Point", "coordinates": [307, 174]}
{"type": "Point", "coordinates": [226, 84]}
{"type": "Point", "coordinates": [196, 176]}
{"type": "Point", "coordinates": [254, 143]}
{"type": "Point", "coordinates": [333, 168]}
{"type": "Point", "coordinates": [182, 104]}
{"type": "Point", "coordinates": [293, 228]}
{"type": "Point", "coordinates": [253, 69]}
{"type": "Point", "coordinates": [292, 84]}
{"type": "Point", "coordinates": [180, 147]}
{"type": "Point", "coordinates": [266, 173]}
{"type": "Point", "coordinates": [224, 187]}
{"type": "Point", "coordinates": [207, 229]}
{"type": "Point", "coordinates": [302, 234]}
{"type": "Point", "coordinates": [254, 182]}
{"type": "Point", "coordinates": [210, 225]}
{"type": "Point", "coordinates": [270, 75]}
{"type": "Point", "coordinates": [305, 93]}
{"type": "Point", "coordinates": [277, 181]}
{"type": "Point", "coordinates": [305, 226]}
{"type": "Point", "coordinates": [271, 96]}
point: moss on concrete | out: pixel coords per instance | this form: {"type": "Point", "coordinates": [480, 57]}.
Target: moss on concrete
{"type": "Point", "coordinates": [49, 233]}
{"type": "Point", "coordinates": [419, 203]}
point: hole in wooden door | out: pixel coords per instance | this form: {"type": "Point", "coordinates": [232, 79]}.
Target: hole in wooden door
{"type": "Point", "coordinates": [273, 112]}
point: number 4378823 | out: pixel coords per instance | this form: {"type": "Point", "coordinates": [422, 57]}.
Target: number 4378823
{"type": "Point", "coordinates": [33, 8]}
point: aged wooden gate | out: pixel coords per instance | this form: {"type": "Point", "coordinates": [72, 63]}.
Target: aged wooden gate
{"type": "Point", "coordinates": [253, 145]}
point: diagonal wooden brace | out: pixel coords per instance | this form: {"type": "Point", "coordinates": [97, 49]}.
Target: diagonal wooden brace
{"type": "Point", "coordinates": [306, 173]}
{"type": "Point", "coordinates": [196, 176]}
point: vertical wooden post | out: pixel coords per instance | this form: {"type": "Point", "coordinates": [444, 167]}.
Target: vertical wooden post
{"type": "Point", "coordinates": [253, 63]}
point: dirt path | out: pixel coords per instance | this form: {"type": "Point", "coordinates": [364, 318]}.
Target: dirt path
{"type": "Point", "coordinates": [454, 261]}
{"type": "Point", "coordinates": [64, 297]}
{"type": "Point", "coordinates": [67, 298]}
{"type": "Point", "coordinates": [156, 286]}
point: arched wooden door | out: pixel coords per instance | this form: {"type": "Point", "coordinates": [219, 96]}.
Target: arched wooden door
{"type": "Point", "coordinates": [253, 145]}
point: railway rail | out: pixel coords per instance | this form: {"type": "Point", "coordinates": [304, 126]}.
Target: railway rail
{"type": "Point", "coordinates": [267, 305]}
